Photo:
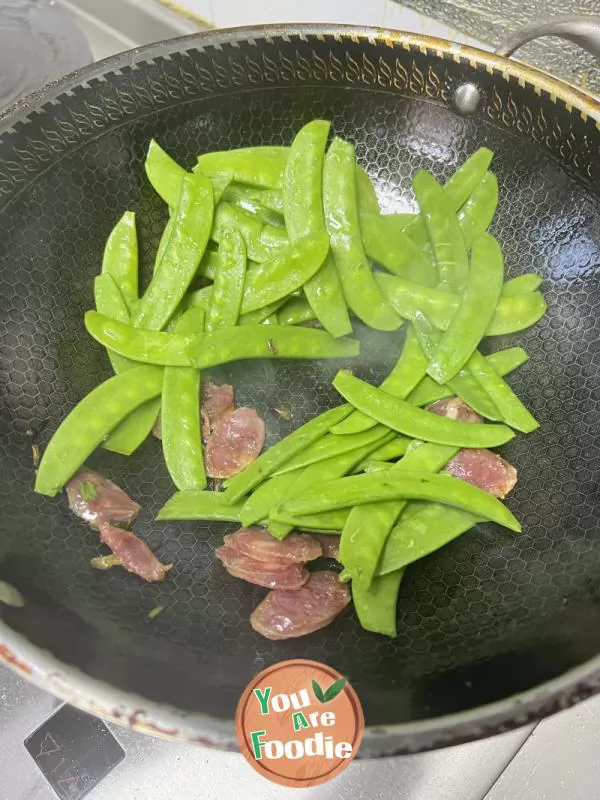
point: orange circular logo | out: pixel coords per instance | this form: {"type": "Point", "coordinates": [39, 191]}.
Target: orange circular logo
{"type": "Point", "coordinates": [299, 723]}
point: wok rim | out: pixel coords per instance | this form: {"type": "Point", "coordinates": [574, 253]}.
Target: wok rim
{"type": "Point", "coordinates": [141, 714]}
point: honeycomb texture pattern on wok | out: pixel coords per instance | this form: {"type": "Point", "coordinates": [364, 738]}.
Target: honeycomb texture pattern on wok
{"type": "Point", "coordinates": [490, 614]}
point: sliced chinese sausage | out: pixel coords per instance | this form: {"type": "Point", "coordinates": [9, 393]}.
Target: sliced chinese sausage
{"type": "Point", "coordinates": [484, 469]}
{"type": "Point", "coordinates": [95, 499]}
{"type": "Point", "coordinates": [217, 402]}
{"type": "Point", "coordinates": [134, 555]}
{"type": "Point", "coordinates": [271, 574]}
{"type": "Point", "coordinates": [259, 544]}
{"type": "Point", "coordinates": [454, 408]}
{"type": "Point", "coordinates": [285, 615]}
{"type": "Point", "coordinates": [235, 442]}
{"type": "Point", "coordinates": [330, 544]}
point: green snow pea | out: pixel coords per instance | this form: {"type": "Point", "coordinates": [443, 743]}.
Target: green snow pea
{"type": "Point", "coordinates": [164, 173]}
{"type": "Point", "coordinates": [458, 190]}
{"type": "Point", "coordinates": [164, 242]}
{"type": "Point", "coordinates": [295, 311]}
{"type": "Point", "coordinates": [331, 446]}
{"type": "Point", "coordinates": [366, 193]}
{"type": "Point", "coordinates": [90, 421]}
{"type": "Point", "coordinates": [320, 472]}
{"type": "Point", "coordinates": [200, 299]}
{"type": "Point", "coordinates": [522, 285]}
{"type": "Point", "coordinates": [191, 228]}
{"type": "Point", "coordinates": [474, 313]}
{"type": "Point", "coordinates": [512, 313]}
{"type": "Point", "coordinates": [265, 497]}
{"type": "Point", "coordinates": [503, 362]}
{"type": "Point", "coordinates": [270, 461]}
{"type": "Point", "coordinates": [444, 232]}
{"type": "Point", "coordinates": [389, 451]}
{"type": "Point", "coordinates": [384, 241]}
{"type": "Point", "coordinates": [199, 505]}
{"type": "Point", "coordinates": [180, 418]}
{"type": "Point", "coordinates": [285, 272]}
{"type": "Point", "coordinates": [248, 199]}
{"type": "Point", "coordinates": [218, 347]}
{"type": "Point", "coordinates": [361, 291]}
{"type": "Point", "coordinates": [430, 528]}
{"type": "Point", "coordinates": [328, 521]}
{"type": "Point", "coordinates": [477, 214]}
{"type": "Point", "coordinates": [304, 217]}
{"type": "Point", "coordinates": [512, 410]}
{"type": "Point", "coordinates": [376, 603]}
{"type": "Point", "coordinates": [258, 166]}
{"type": "Point", "coordinates": [120, 259]}
{"type": "Point", "coordinates": [267, 199]}
{"type": "Point", "coordinates": [228, 288]}
{"type": "Point", "coordinates": [371, 465]}
{"type": "Point", "coordinates": [210, 263]}
{"type": "Point", "coordinates": [416, 422]}
{"type": "Point", "coordinates": [263, 241]}
{"type": "Point", "coordinates": [261, 315]}
{"type": "Point", "coordinates": [394, 485]}
{"type": "Point", "coordinates": [368, 526]}
{"type": "Point", "coordinates": [110, 302]}
{"type": "Point", "coordinates": [407, 373]}
{"type": "Point", "coordinates": [134, 429]}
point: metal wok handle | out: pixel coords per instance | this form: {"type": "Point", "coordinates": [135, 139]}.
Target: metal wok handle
{"type": "Point", "coordinates": [583, 30]}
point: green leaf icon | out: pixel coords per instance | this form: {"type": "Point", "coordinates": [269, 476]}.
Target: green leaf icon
{"type": "Point", "coordinates": [318, 692]}
{"type": "Point", "coordinates": [334, 690]}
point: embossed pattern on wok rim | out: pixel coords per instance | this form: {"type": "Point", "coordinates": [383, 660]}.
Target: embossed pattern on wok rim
{"type": "Point", "coordinates": [140, 714]}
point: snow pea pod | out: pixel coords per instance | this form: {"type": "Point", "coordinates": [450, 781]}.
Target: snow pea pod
{"type": "Point", "coordinates": [477, 214]}
{"type": "Point", "coordinates": [328, 521]}
{"type": "Point", "coordinates": [503, 362]}
{"type": "Point", "coordinates": [135, 428]}
{"type": "Point", "coordinates": [249, 200]}
{"type": "Point", "coordinates": [393, 485]}
{"type": "Point", "coordinates": [228, 288]}
{"type": "Point", "coordinates": [512, 313]}
{"type": "Point", "coordinates": [265, 497]}
{"type": "Point", "coordinates": [362, 293]}
{"type": "Point", "coordinates": [513, 411]}
{"type": "Point", "coordinates": [261, 315]}
{"type": "Point", "coordinates": [474, 313]}
{"type": "Point", "coordinates": [84, 428]}
{"type": "Point", "coordinates": [164, 173]}
{"type": "Point", "coordinates": [458, 190]}
{"type": "Point", "coordinates": [263, 241]}
{"type": "Point", "coordinates": [368, 526]}
{"type": "Point", "coordinates": [270, 461]}
{"type": "Point", "coordinates": [285, 272]}
{"type": "Point", "coordinates": [258, 166]}
{"type": "Point", "coordinates": [110, 302]}
{"type": "Point", "coordinates": [330, 446]}
{"type": "Point", "coordinates": [416, 422]}
{"type": "Point", "coordinates": [304, 217]}
{"type": "Point", "coordinates": [321, 472]}
{"type": "Point", "coordinates": [180, 418]}
{"type": "Point", "coordinates": [522, 285]}
{"type": "Point", "coordinates": [444, 232]}
{"type": "Point", "coordinates": [386, 243]}
{"type": "Point", "coordinates": [198, 299]}
{"type": "Point", "coordinates": [366, 193]}
{"type": "Point", "coordinates": [376, 603]}
{"type": "Point", "coordinates": [389, 451]}
{"type": "Point", "coordinates": [268, 199]}
{"type": "Point", "coordinates": [430, 528]}
{"type": "Point", "coordinates": [408, 371]}
{"type": "Point", "coordinates": [120, 259]}
{"type": "Point", "coordinates": [218, 347]}
{"type": "Point", "coordinates": [199, 505]}
{"type": "Point", "coordinates": [191, 228]}
{"type": "Point", "coordinates": [295, 311]}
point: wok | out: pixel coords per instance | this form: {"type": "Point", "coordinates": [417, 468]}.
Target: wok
{"type": "Point", "coordinates": [494, 630]}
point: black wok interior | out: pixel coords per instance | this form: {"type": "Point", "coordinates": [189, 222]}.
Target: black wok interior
{"type": "Point", "coordinates": [490, 615]}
